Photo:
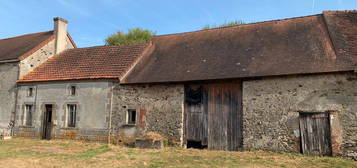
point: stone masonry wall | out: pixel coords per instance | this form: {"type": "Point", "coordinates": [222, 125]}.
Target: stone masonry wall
{"type": "Point", "coordinates": [8, 77]}
{"type": "Point", "coordinates": [159, 109]}
{"type": "Point", "coordinates": [271, 105]}
{"type": "Point", "coordinates": [37, 58]}
{"type": "Point", "coordinates": [40, 56]}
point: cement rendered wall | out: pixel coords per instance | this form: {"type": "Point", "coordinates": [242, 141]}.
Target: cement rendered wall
{"type": "Point", "coordinates": [271, 105]}
{"type": "Point", "coordinates": [93, 108]}
{"type": "Point", "coordinates": [8, 77]}
{"type": "Point", "coordinates": [159, 109]}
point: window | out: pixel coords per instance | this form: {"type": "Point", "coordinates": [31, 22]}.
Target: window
{"type": "Point", "coordinates": [72, 113]}
{"type": "Point", "coordinates": [131, 116]}
{"type": "Point", "coordinates": [72, 90]}
{"type": "Point", "coordinates": [28, 115]}
{"type": "Point", "coordinates": [30, 92]}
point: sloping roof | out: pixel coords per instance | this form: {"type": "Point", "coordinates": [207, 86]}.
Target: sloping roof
{"type": "Point", "coordinates": [281, 47]}
{"type": "Point", "coordinates": [102, 62]}
{"type": "Point", "coordinates": [342, 26]}
{"type": "Point", "coordinates": [15, 47]}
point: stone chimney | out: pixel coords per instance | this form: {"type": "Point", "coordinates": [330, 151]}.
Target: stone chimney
{"type": "Point", "coordinates": [60, 30]}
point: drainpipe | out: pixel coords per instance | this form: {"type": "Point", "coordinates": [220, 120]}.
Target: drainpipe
{"type": "Point", "coordinates": [110, 113]}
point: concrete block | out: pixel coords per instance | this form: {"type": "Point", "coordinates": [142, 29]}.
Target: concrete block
{"type": "Point", "coordinates": [149, 144]}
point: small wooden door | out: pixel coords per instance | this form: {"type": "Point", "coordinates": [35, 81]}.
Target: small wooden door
{"type": "Point", "coordinates": [47, 122]}
{"type": "Point", "coordinates": [315, 134]}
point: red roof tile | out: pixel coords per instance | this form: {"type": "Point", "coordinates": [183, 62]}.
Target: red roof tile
{"type": "Point", "coordinates": [102, 62]}
{"type": "Point", "coordinates": [16, 48]}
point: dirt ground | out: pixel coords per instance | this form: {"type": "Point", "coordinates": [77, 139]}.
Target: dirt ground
{"type": "Point", "coordinates": [19, 152]}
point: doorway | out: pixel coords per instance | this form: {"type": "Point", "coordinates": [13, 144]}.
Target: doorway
{"type": "Point", "coordinates": [213, 116]}
{"type": "Point", "coordinates": [47, 122]}
{"type": "Point", "coordinates": [315, 134]}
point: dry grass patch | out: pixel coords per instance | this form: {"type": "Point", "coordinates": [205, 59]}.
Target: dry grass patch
{"type": "Point", "coordinates": [28, 153]}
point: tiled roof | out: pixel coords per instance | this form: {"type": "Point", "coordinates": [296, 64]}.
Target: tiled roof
{"type": "Point", "coordinates": [342, 26]}
{"type": "Point", "coordinates": [310, 44]}
{"type": "Point", "coordinates": [102, 62]}
{"type": "Point", "coordinates": [16, 48]}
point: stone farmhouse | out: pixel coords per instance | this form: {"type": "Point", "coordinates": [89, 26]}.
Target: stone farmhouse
{"type": "Point", "coordinates": [72, 93]}
{"type": "Point", "coordinates": [22, 54]}
{"type": "Point", "coordinates": [283, 85]}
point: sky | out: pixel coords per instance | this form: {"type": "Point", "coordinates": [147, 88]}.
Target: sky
{"type": "Point", "coordinates": [91, 21]}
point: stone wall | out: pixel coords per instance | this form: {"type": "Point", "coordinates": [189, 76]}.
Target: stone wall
{"type": "Point", "coordinates": [93, 109]}
{"type": "Point", "coordinates": [159, 109]}
{"type": "Point", "coordinates": [40, 56]}
{"type": "Point", "coordinates": [8, 77]}
{"type": "Point", "coordinates": [37, 58]}
{"type": "Point", "coordinates": [271, 105]}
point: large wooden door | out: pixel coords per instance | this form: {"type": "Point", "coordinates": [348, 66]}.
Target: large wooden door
{"type": "Point", "coordinates": [224, 116]}
{"type": "Point", "coordinates": [47, 122]}
{"type": "Point", "coordinates": [213, 115]}
{"type": "Point", "coordinates": [315, 134]}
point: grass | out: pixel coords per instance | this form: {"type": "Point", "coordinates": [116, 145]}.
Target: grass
{"type": "Point", "coordinates": [28, 153]}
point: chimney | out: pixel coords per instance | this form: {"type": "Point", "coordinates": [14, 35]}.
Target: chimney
{"type": "Point", "coordinates": [60, 30]}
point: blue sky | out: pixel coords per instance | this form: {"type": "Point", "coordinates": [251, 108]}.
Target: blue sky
{"type": "Point", "coordinates": [91, 21]}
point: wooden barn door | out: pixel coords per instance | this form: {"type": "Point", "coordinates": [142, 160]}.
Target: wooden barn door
{"type": "Point", "coordinates": [224, 116]}
{"type": "Point", "coordinates": [196, 115]}
{"type": "Point", "coordinates": [213, 115]}
{"type": "Point", "coordinates": [315, 134]}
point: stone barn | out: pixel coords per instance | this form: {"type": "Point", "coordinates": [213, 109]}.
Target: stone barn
{"type": "Point", "coordinates": [285, 85]}
{"type": "Point", "coordinates": [19, 56]}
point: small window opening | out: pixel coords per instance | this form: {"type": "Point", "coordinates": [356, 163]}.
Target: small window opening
{"type": "Point", "coordinates": [30, 92]}
{"type": "Point", "coordinates": [72, 114]}
{"type": "Point", "coordinates": [193, 96]}
{"type": "Point", "coordinates": [28, 114]}
{"type": "Point", "coordinates": [131, 116]}
{"type": "Point", "coordinates": [73, 90]}
{"type": "Point", "coordinates": [195, 144]}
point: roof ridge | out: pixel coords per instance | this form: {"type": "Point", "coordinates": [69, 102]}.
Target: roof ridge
{"type": "Point", "coordinates": [26, 35]}
{"type": "Point", "coordinates": [241, 25]}
{"type": "Point", "coordinates": [108, 46]}
{"type": "Point", "coordinates": [339, 11]}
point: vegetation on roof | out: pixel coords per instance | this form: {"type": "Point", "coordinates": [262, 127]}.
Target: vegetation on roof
{"type": "Point", "coordinates": [133, 36]}
{"type": "Point", "coordinates": [226, 24]}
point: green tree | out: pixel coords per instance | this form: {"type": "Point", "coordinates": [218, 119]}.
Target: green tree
{"type": "Point", "coordinates": [227, 24]}
{"type": "Point", "coordinates": [135, 35]}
